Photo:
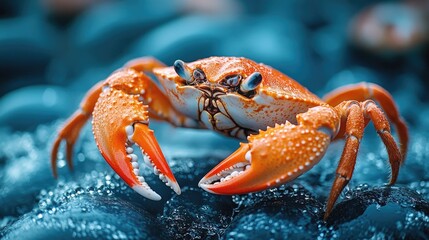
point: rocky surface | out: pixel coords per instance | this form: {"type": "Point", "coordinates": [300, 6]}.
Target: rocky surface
{"type": "Point", "coordinates": [92, 201]}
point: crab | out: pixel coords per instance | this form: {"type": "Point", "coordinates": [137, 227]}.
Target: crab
{"type": "Point", "coordinates": [288, 129]}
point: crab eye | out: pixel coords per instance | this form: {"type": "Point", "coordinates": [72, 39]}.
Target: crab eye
{"type": "Point", "coordinates": [248, 86]}
{"type": "Point", "coordinates": [199, 75]}
{"type": "Point", "coordinates": [232, 81]}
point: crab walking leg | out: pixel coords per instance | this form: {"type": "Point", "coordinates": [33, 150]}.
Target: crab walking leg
{"type": "Point", "coordinates": [144, 64]}
{"type": "Point", "coordinates": [71, 129]}
{"type": "Point", "coordinates": [354, 128]}
{"type": "Point", "coordinates": [365, 91]}
{"type": "Point", "coordinates": [382, 126]}
{"type": "Point", "coordinates": [275, 156]}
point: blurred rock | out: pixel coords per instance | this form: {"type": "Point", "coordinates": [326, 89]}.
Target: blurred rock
{"type": "Point", "coordinates": [39, 103]}
{"type": "Point", "coordinates": [218, 8]}
{"type": "Point", "coordinates": [26, 170]}
{"type": "Point", "coordinates": [350, 75]}
{"type": "Point", "coordinates": [68, 8]}
{"type": "Point", "coordinates": [195, 37]}
{"type": "Point", "coordinates": [269, 40]}
{"type": "Point", "coordinates": [390, 28]}
{"type": "Point", "coordinates": [27, 45]}
{"type": "Point", "coordinates": [114, 27]}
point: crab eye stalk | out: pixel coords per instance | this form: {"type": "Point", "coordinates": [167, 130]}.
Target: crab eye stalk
{"type": "Point", "coordinates": [183, 71]}
{"type": "Point", "coordinates": [249, 84]}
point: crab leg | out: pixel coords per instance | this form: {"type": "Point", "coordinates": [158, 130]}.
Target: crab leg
{"type": "Point", "coordinates": [71, 129]}
{"type": "Point", "coordinates": [382, 126]}
{"type": "Point", "coordinates": [354, 128]}
{"type": "Point", "coordinates": [356, 115]}
{"type": "Point", "coordinates": [366, 91]}
{"type": "Point", "coordinates": [275, 156]}
{"type": "Point", "coordinates": [144, 64]}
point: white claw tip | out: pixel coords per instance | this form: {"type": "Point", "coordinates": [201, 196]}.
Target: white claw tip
{"type": "Point", "coordinates": [205, 187]}
{"type": "Point", "coordinates": [176, 189]}
{"type": "Point", "coordinates": [175, 186]}
{"type": "Point", "coordinates": [147, 192]}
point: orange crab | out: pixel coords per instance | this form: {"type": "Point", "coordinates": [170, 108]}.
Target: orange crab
{"type": "Point", "coordinates": [287, 128]}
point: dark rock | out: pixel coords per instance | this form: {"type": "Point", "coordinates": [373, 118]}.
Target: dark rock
{"type": "Point", "coordinates": [387, 212]}
{"type": "Point", "coordinates": [196, 214]}
{"type": "Point", "coordinates": [84, 215]}
{"type": "Point", "coordinates": [286, 212]}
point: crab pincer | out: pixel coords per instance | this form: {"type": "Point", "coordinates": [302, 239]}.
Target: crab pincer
{"type": "Point", "coordinates": [121, 121]}
{"type": "Point", "coordinates": [272, 157]}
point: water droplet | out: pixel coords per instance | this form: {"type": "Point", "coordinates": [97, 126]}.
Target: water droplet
{"type": "Point", "coordinates": [61, 163]}
{"type": "Point", "coordinates": [79, 190]}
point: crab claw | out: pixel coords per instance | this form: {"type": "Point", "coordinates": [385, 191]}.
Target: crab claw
{"type": "Point", "coordinates": [271, 158]}
{"type": "Point", "coordinates": [116, 131]}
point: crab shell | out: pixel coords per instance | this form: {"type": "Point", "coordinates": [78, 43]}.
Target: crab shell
{"type": "Point", "coordinates": [277, 99]}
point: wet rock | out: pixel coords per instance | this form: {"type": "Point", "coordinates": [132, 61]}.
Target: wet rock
{"type": "Point", "coordinates": [29, 189]}
{"type": "Point", "coordinates": [386, 212]}
{"type": "Point", "coordinates": [196, 214]}
{"type": "Point", "coordinates": [23, 171]}
{"type": "Point", "coordinates": [26, 169]}
{"type": "Point", "coordinates": [83, 215]}
{"type": "Point", "coordinates": [285, 212]}
{"type": "Point", "coordinates": [422, 187]}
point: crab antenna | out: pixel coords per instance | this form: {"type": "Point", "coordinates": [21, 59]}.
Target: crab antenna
{"type": "Point", "coordinates": [251, 82]}
{"type": "Point", "coordinates": [182, 70]}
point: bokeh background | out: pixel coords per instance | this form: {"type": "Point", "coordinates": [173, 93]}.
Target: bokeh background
{"type": "Point", "coordinates": [53, 51]}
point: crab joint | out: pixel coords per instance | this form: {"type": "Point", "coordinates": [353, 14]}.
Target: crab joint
{"type": "Point", "coordinates": [183, 71]}
{"type": "Point", "coordinates": [251, 82]}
